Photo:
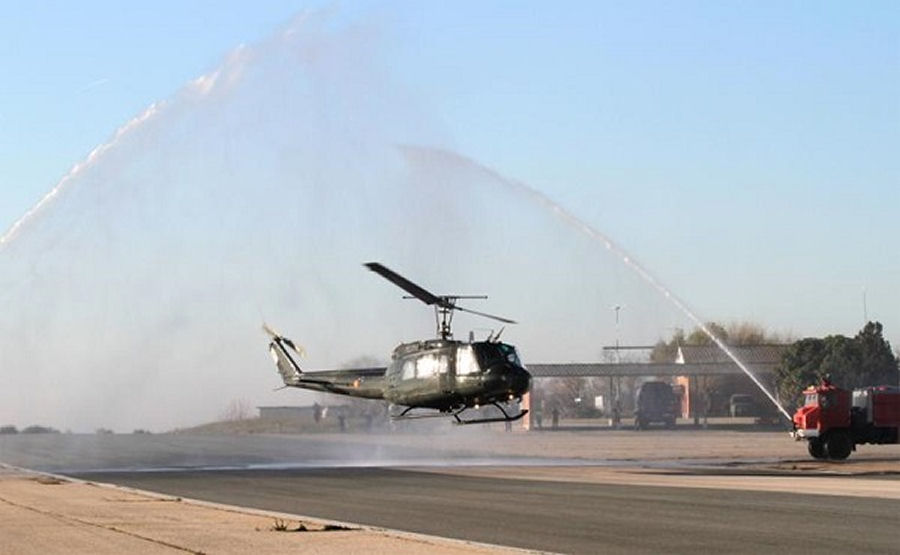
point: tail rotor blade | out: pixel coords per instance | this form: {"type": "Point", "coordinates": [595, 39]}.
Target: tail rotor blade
{"type": "Point", "coordinates": [282, 339]}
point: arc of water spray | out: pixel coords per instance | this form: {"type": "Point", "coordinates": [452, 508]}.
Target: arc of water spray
{"type": "Point", "coordinates": [596, 235]}
{"type": "Point", "coordinates": [78, 168]}
{"type": "Point", "coordinates": [228, 72]}
{"type": "Point", "coordinates": [575, 222]}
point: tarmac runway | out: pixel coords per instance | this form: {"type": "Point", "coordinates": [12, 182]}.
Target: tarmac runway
{"type": "Point", "coordinates": [549, 515]}
{"type": "Point", "coordinates": [615, 492]}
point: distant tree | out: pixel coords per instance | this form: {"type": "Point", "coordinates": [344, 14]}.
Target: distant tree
{"type": "Point", "coordinates": [862, 361]}
{"type": "Point", "coordinates": [560, 394]}
{"type": "Point", "coordinates": [801, 366]}
{"type": "Point", "coordinates": [700, 337]}
{"type": "Point", "coordinates": [665, 351]}
{"type": "Point", "coordinates": [7, 430]}
{"type": "Point", "coordinates": [40, 430]}
{"type": "Point", "coordinates": [877, 365]}
{"type": "Point", "coordinates": [735, 334]}
{"type": "Point", "coordinates": [748, 333]}
{"type": "Point", "coordinates": [237, 409]}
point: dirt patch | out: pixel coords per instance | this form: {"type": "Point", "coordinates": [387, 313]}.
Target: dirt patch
{"type": "Point", "coordinates": [48, 480]}
{"type": "Point", "coordinates": [282, 525]}
{"type": "Point", "coordinates": [889, 468]}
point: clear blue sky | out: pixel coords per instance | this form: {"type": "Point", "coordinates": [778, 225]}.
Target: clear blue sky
{"type": "Point", "coordinates": [746, 152]}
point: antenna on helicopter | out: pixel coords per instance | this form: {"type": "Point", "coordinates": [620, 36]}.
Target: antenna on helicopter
{"type": "Point", "coordinates": [444, 305]}
{"type": "Point", "coordinates": [496, 338]}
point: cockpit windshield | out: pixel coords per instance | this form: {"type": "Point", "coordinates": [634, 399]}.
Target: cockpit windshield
{"type": "Point", "coordinates": [490, 354]}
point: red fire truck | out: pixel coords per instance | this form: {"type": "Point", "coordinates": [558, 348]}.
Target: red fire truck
{"type": "Point", "coordinates": [834, 421]}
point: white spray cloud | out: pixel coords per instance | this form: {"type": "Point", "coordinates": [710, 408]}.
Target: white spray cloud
{"type": "Point", "coordinates": [257, 192]}
{"type": "Point", "coordinates": [76, 170]}
{"type": "Point", "coordinates": [203, 85]}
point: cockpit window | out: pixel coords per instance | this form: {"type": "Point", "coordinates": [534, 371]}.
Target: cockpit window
{"type": "Point", "coordinates": [490, 354]}
{"type": "Point", "coordinates": [510, 353]}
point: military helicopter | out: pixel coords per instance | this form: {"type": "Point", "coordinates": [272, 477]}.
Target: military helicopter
{"type": "Point", "coordinates": [442, 374]}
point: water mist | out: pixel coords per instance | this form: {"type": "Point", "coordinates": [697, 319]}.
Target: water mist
{"type": "Point", "coordinates": [134, 290]}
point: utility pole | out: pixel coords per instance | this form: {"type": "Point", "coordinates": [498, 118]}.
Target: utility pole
{"type": "Point", "coordinates": [865, 309]}
{"type": "Point", "coordinates": [614, 389]}
{"type": "Point", "coordinates": [617, 308]}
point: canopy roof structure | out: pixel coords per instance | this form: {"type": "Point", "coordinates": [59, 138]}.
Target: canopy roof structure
{"type": "Point", "coordinates": [690, 360]}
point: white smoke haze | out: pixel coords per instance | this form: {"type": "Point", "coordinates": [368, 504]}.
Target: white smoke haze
{"type": "Point", "coordinates": [133, 294]}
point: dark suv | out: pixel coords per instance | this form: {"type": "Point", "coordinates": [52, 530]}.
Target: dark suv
{"type": "Point", "coordinates": [741, 404]}
{"type": "Point", "coordinates": [655, 402]}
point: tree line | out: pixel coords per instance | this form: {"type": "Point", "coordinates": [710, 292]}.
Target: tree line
{"type": "Point", "coordinates": [849, 362]}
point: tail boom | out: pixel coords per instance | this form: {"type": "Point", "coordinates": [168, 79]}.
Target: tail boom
{"type": "Point", "coordinates": [356, 382]}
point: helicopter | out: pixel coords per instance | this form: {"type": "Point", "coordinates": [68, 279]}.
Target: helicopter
{"type": "Point", "coordinates": [441, 374]}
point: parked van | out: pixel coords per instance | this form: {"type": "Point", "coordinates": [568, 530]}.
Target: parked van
{"type": "Point", "coordinates": [656, 402]}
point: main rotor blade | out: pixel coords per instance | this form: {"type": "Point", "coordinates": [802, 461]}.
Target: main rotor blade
{"type": "Point", "coordinates": [408, 286]}
{"type": "Point", "coordinates": [486, 315]}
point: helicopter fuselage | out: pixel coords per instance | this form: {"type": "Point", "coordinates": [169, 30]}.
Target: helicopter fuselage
{"type": "Point", "coordinates": [445, 374]}
{"type": "Point", "coordinates": [441, 374]}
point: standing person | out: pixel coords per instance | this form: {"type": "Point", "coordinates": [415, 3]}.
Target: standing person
{"type": "Point", "coordinates": [707, 407]}
{"type": "Point", "coordinates": [317, 412]}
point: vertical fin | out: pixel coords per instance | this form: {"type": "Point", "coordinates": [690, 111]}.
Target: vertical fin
{"type": "Point", "coordinates": [279, 350]}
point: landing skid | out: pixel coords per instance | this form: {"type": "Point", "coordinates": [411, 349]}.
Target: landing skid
{"type": "Point", "coordinates": [504, 418]}
{"type": "Point", "coordinates": [403, 415]}
{"type": "Point", "coordinates": [456, 414]}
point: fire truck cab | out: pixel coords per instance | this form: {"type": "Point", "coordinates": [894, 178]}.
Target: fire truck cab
{"type": "Point", "coordinates": [834, 421]}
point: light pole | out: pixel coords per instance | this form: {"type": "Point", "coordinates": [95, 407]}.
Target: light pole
{"type": "Point", "coordinates": [616, 309]}
{"type": "Point", "coordinates": [614, 389]}
{"type": "Point", "coordinates": [865, 309]}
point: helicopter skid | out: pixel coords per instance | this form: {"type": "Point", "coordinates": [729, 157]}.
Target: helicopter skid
{"type": "Point", "coordinates": [461, 422]}
{"type": "Point", "coordinates": [403, 415]}
{"type": "Point", "coordinates": [456, 414]}
{"type": "Point", "coordinates": [504, 418]}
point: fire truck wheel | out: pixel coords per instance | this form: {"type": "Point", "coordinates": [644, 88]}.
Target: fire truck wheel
{"type": "Point", "coordinates": [838, 446]}
{"type": "Point", "coordinates": [816, 449]}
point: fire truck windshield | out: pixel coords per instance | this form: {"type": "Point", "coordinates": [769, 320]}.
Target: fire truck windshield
{"type": "Point", "coordinates": [812, 399]}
